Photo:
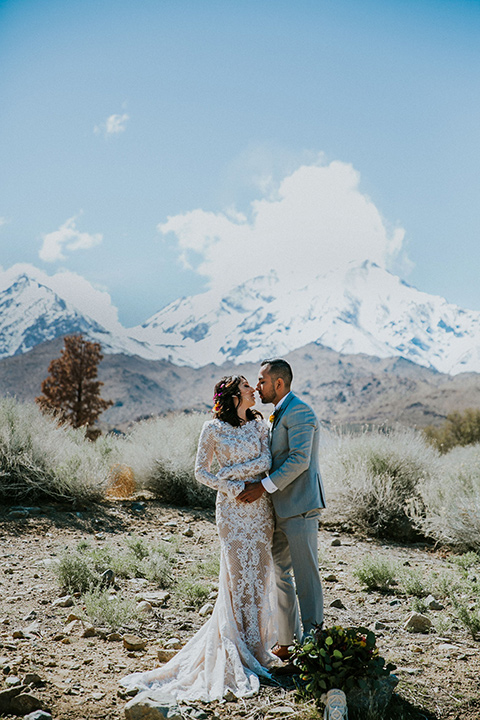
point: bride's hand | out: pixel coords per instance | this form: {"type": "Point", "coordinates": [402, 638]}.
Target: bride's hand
{"type": "Point", "coordinates": [223, 473]}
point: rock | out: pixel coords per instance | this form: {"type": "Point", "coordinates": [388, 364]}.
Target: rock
{"type": "Point", "coordinates": [433, 604]}
{"type": "Point", "coordinates": [73, 617]}
{"type": "Point", "coordinates": [379, 625]}
{"type": "Point", "coordinates": [188, 532]}
{"type": "Point", "coordinates": [144, 607]}
{"type": "Point", "coordinates": [31, 616]}
{"type": "Point", "coordinates": [88, 631]}
{"type": "Point", "coordinates": [338, 604]}
{"type": "Point", "coordinates": [164, 655]}
{"type": "Point", "coordinates": [12, 681]}
{"type": "Point", "coordinates": [151, 705]}
{"type": "Point", "coordinates": [38, 715]}
{"type": "Point", "coordinates": [416, 649]}
{"type": "Point", "coordinates": [6, 696]}
{"type": "Point", "coordinates": [25, 703]}
{"type": "Point", "coordinates": [330, 578]}
{"type": "Point", "coordinates": [114, 637]}
{"type": "Point", "coordinates": [133, 642]}
{"type": "Point", "coordinates": [448, 649]}
{"type": "Point", "coordinates": [138, 507]}
{"type": "Point", "coordinates": [416, 622]}
{"type": "Point", "coordinates": [76, 626]}
{"type": "Point", "coordinates": [156, 599]}
{"type": "Point", "coordinates": [207, 609]}
{"type": "Point", "coordinates": [107, 578]}
{"type": "Point", "coordinates": [282, 710]}
{"type": "Point", "coordinates": [18, 514]}
{"type": "Point", "coordinates": [32, 629]}
{"type": "Point", "coordinates": [173, 644]}
{"type": "Point", "coordinates": [64, 601]}
{"type": "Point", "coordinates": [33, 679]}
{"type": "Point", "coordinates": [336, 542]}
{"type": "Point", "coordinates": [230, 697]}
{"type": "Point", "coordinates": [98, 696]}
{"type": "Point", "coordinates": [18, 635]}
{"type": "Point", "coordinates": [171, 524]}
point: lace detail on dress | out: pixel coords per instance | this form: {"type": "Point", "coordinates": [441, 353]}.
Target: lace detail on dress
{"type": "Point", "coordinates": [233, 648]}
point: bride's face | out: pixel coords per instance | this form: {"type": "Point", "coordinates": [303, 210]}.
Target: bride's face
{"type": "Point", "coordinates": [247, 394]}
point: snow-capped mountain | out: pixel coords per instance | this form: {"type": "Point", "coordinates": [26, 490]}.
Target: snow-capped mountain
{"type": "Point", "coordinates": [364, 309]}
{"type": "Point", "coordinates": [31, 313]}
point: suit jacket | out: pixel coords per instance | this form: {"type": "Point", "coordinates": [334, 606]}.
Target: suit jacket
{"type": "Point", "coordinates": [294, 440]}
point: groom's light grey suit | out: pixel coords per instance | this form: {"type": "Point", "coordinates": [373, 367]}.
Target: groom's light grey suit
{"type": "Point", "coordinates": [294, 440]}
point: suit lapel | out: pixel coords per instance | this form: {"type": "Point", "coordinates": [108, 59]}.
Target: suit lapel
{"type": "Point", "coordinates": [283, 407]}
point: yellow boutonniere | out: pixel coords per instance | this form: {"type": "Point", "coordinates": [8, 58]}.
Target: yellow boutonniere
{"type": "Point", "coordinates": [271, 418]}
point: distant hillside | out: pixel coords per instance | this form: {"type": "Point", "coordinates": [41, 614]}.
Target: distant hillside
{"type": "Point", "coordinates": [342, 388]}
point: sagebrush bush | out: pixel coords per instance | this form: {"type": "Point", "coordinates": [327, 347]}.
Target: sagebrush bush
{"type": "Point", "coordinates": [76, 572]}
{"type": "Point", "coordinates": [460, 428]}
{"type": "Point", "coordinates": [450, 500]}
{"type": "Point", "coordinates": [105, 609]}
{"type": "Point", "coordinates": [41, 460]}
{"type": "Point", "coordinates": [376, 475]}
{"type": "Point", "coordinates": [376, 573]}
{"type": "Point", "coordinates": [161, 453]}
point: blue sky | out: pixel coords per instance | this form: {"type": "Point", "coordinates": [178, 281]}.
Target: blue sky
{"type": "Point", "coordinates": [153, 147]}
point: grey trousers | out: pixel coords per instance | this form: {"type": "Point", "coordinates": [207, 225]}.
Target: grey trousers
{"type": "Point", "coordinates": [295, 549]}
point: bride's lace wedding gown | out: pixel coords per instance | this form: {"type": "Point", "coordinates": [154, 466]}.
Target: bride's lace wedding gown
{"type": "Point", "coordinates": [232, 649]}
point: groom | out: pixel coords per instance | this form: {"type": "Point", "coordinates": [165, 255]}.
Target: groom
{"type": "Point", "coordinates": [296, 489]}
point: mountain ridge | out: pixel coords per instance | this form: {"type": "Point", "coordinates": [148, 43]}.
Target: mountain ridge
{"type": "Point", "coordinates": [363, 309]}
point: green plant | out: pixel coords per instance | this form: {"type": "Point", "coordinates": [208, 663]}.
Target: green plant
{"type": "Point", "coordinates": [377, 574]}
{"type": "Point", "coordinates": [76, 573]}
{"type": "Point", "coordinates": [192, 592]}
{"type": "Point", "coordinates": [469, 617]}
{"type": "Point", "coordinates": [102, 608]}
{"type": "Point", "coordinates": [467, 561]}
{"type": "Point", "coordinates": [413, 583]}
{"type": "Point", "coordinates": [460, 428]}
{"type": "Point", "coordinates": [337, 657]}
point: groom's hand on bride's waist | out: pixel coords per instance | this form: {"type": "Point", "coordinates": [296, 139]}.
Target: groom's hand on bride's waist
{"type": "Point", "coordinates": [252, 492]}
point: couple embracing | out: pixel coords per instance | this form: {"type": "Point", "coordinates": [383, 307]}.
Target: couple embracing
{"type": "Point", "coordinates": [268, 502]}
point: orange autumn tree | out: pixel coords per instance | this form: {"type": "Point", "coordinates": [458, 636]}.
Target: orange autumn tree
{"type": "Point", "coordinates": [72, 391]}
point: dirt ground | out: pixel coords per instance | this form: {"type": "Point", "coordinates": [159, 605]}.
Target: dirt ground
{"type": "Point", "coordinates": [438, 673]}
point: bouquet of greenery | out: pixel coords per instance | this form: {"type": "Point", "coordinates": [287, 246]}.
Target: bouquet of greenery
{"type": "Point", "coordinates": [338, 657]}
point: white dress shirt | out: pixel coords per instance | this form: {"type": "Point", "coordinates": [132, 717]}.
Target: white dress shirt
{"type": "Point", "coordinates": [269, 486]}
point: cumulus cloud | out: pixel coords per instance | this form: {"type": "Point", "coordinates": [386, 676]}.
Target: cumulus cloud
{"type": "Point", "coordinates": [66, 238]}
{"type": "Point", "coordinates": [75, 289]}
{"type": "Point", "coordinates": [316, 220]}
{"type": "Point", "coordinates": [113, 125]}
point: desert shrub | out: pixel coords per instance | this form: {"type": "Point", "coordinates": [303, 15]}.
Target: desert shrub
{"type": "Point", "coordinates": [76, 572]}
{"type": "Point", "coordinates": [469, 617]}
{"type": "Point", "coordinates": [161, 453]}
{"type": "Point", "coordinates": [376, 573]}
{"type": "Point", "coordinates": [458, 429]}
{"type": "Point", "coordinates": [39, 459]}
{"type": "Point", "coordinates": [105, 609]}
{"type": "Point", "coordinates": [450, 500]}
{"type": "Point", "coordinates": [192, 592]}
{"type": "Point", "coordinates": [139, 559]}
{"type": "Point", "coordinates": [413, 582]}
{"type": "Point", "coordinates": [376, 475]}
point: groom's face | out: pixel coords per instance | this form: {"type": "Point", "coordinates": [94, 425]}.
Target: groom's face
{"type": "Point", "coordinates": [266, 386]}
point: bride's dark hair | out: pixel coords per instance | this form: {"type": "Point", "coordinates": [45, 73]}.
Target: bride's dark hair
{"type": "Point", "coordinates": [224, 408]}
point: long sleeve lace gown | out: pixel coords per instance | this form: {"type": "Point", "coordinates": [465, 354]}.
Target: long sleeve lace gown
{"type": "Point", "coordinates": [232, 650]}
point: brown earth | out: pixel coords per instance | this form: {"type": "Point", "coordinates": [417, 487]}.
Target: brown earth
{"type": "Point", "coordinates": [81, 675]}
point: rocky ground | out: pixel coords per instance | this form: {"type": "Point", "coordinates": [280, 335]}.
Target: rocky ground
{"type": "Point", "coordinates": [73, 670]}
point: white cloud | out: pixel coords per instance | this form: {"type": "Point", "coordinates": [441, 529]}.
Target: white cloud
{"type": "Point", "coordinates": [317, 220]}
{"type": "Point", "coordinates": [66, 238]}
{"type": "Point", "coordinates": [113, 125]}
{"type": "Point", "coordinates": [75, 289]}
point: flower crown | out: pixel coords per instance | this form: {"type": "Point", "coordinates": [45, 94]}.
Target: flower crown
{"type": "Point", "coordinates": [217, 397]}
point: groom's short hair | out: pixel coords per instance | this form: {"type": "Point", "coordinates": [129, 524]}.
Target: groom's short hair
{"type": "Point", "coordinates": [279, 368]}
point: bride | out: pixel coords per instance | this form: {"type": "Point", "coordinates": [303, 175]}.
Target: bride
{"type": "Point", "coordinates": [232, 650]}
